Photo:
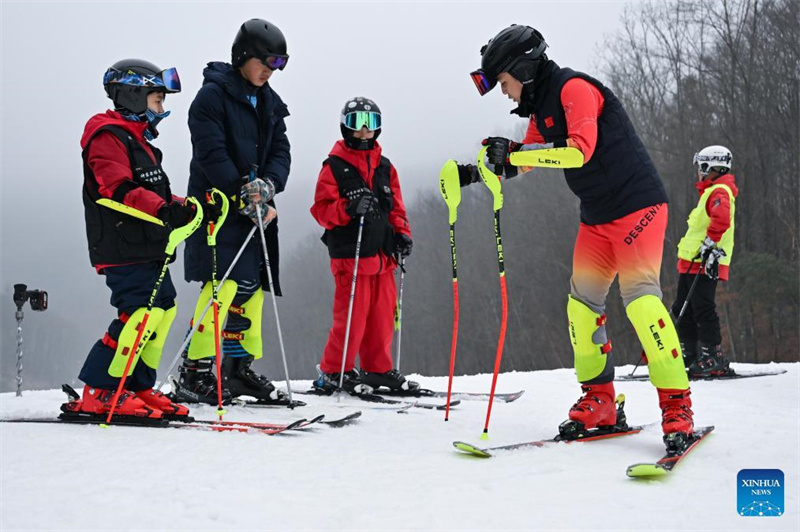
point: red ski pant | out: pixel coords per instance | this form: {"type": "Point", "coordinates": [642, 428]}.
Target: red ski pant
{"type": "Point", "coordinates": [371, 326]}
{"type": "Point", "coordinates": [631, 246]}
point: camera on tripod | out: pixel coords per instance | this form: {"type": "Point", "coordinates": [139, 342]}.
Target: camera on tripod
{"type": "Point", "coordinates": [37, 298]}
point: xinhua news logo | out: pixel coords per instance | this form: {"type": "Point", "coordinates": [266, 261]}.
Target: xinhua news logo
{"type": "Point", "coordinates": [760, 493]}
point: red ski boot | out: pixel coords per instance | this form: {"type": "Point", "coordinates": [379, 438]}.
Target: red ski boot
{"type": "Point", "coordinates": [97, 402]}
{"type": "Point", "coordinates": [155, 399]}
{"type": "Point", "coordinates": [676, 411]}
{"type": "Point", "coordinates": [596, 408]}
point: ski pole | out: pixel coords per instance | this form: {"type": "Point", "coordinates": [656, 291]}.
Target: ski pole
{"type": "Point", "coordinates": [212, 196]}
{"type": "Point", "coordinates": [176, 236]}
{"type": "Point", "coordinates": [492, 181]}
{"type": "Point", "coordinates": [253, 170]}
{"type": "Point", "coordinates": [196, 325]}
{"type": "Point", "coordinates": [683, 308]}
{"type": "Point", "coordinates": [450, 188]}
{"type": "Point", "coordinates": [399, 321]}
{"type": "Point", "coordinates": [350, 305]}
{"type": "Point", "coordinates": [19, 315]}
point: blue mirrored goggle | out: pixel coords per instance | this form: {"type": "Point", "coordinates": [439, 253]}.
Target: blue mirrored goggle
{"type": "Point", "coordinates": [275, 62]}
{"type": "Point", "coordinates": [358, 119]}
{"type": "Point", "coordinates": [167, 79]}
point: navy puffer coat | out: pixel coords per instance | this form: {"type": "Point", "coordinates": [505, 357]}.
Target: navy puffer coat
{"type": "Point", "coordinates": [228, 136]}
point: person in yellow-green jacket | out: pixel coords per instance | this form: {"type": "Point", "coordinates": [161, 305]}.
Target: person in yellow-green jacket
{"type": "Point", "coordinates": [704, 255]}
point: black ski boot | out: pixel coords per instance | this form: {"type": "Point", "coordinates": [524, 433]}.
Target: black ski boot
{"type": "Point", "coordinates": [689, 350]}
{"type": "Point", "coordinates": [394, 380]}
{"type": "Point", "coordinates": [328, 383]}
{"type": "Point", "coordinates": [240, 379]}
{"type": "Point", "coordinates": [710, 363]}
{"type": "Point", "coordinates": [197, 383]}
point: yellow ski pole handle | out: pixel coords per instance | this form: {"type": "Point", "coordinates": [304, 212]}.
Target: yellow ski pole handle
{"type": "Point", "coordinates": [490, 179]}
{"type": "Point", "coordinates": [548, 158]}
{"type": "Point", "coordinates": [214, 196]}
{"type": "Point", "coordinates": [130, 211]}
{"type": "Point", "coordinates": [182, 233]}
{"type": "Point", "coordinates": [450, 188]}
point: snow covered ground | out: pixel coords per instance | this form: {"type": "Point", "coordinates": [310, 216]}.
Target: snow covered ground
{"type": "Point", "coordinates": [399, 471]}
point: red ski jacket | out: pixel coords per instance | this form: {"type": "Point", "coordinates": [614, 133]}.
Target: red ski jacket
{"type": "Point", "coordinates": [329, 207]}
{"type": "Point", "coordinates": [108, 158]}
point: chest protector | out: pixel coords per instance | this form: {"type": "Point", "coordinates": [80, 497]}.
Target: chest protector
{"type": "Point", "coordinates": [378, 234]}
{"type": "Point", "coordinates": [698, 222]}
{"type": "Point", "coordinates": [114, 237]}
{"type": "Point", "coordinates": [620, 178]}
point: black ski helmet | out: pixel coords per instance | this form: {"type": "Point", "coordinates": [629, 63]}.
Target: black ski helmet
{"type": "Point", "coordinates": [261, 39]}
{"type": "Point", "coordinates": [129, 81]}
{"type": "Point", "coordinates": [359, 104]}
{"type": "Point", "coordinates": [514, 45]}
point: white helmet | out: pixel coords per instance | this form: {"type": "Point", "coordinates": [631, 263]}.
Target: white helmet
{"type": "Point", "coordinates": [717, 158]}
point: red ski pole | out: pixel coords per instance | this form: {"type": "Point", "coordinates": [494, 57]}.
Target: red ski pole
{"type": "Point", "coordinates": [492, 181]}
{"type": "Point", "coordinates": [450, 188]}
{"type": "Point", "coordinates": [212, 196]}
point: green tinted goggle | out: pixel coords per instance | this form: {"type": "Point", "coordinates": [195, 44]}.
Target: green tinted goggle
{"type": "Point", "coordinates": [358, 119]}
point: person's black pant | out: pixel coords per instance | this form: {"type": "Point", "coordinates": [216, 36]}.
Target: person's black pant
{"type": "Point", "coordinates": [131, 287]}
{"type": "Point", "coordinates": [700, 321]}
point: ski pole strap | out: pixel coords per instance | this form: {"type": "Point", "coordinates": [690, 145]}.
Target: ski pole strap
{"type": "Point", "coordinates": [130, 211]}
{"type": "Point", "coordinates": [182, 233]}
{"type": "Point", "coordinates": [213, 197]}
{"type": "Point", "coordinates": [490, 179]}
{"type": "Point", "coordinates": [450, 188]}
{"type": "Point", "coordinates": [548, 158]}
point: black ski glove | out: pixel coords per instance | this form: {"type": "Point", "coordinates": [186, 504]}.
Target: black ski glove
{"type": "Point", "coordinates": [467, 174]}
{"type": "Point", "coordinates": [403, 245]}
{"type": "Point", "coordinates": [175, 215]}
{"type": "Point", "coordinates": [211, 212]}
{"type": "Point", "coordinates": [499, 149]}
{"type": "Point", "coordinates": [360, 205]}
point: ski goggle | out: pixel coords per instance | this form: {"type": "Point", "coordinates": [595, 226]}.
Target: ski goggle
{"type": "Point", "coordinates": [275, 62]}
{"type": "Point", "coordinates": [167, 79]}
{"type": "Point", "coordinates": [358, 119]}
{"type": "Point", "coordinates": [483, 82]}
{"type": "Point", "coordinates": [706, 162]}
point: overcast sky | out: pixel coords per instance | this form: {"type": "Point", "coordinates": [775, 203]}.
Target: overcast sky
{"type": "Point", "coordinates": [413, 59]}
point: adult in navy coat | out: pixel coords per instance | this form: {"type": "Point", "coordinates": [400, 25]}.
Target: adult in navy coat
{"type": "Point", "coordinates": [237, 124]}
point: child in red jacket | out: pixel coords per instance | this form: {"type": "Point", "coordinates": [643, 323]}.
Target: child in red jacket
{"type": "Point", "coordinates": [357, 181]}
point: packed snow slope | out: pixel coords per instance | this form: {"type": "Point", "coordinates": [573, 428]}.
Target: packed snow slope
{"type": "Point", "coordinates": [395, 471]}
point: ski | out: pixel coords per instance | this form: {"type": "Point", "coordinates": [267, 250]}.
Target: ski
{"type": "Point", "coordinates": [729, 376]}
{"type": "Point", "coordinates": [671, 459]}
{"type": "Point", "coordinates": [380, 400]}
{"type": "Point", "coordinates": [93, 419]}
{"type": "Point", "coordinates": [486, 452]}
{"type": "Point", "coordinates": [342, 422]}
{"type": "Point", "coordinates": [464, 396]}
{"type": "Point", "coordinates": [258, 425]}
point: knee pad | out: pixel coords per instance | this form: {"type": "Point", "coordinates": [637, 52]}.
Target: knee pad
{"type": "Point", "coordinates": [202, 343]}
{"type": "Point", "coordinates": [127, 339]}
{"type": "Point", "coordinates": [151, 352]}
{"type": "Point", "coordinates": [592, 349]}
{"type": "Point", "coordinates": [242, 337]}
{"type": "Point", "coordinates": [659, 339]}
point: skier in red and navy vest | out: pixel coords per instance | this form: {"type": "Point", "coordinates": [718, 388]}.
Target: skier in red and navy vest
{"type": "Point", "coordinates": [122, 172]}
{"type": "Point", "coordinates": [623, 215]}
{"type": "Point", "coordinates": [355, 181]}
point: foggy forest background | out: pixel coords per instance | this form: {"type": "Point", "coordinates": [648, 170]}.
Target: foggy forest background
{"type": "Point", "coordinates": [690, 74]}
